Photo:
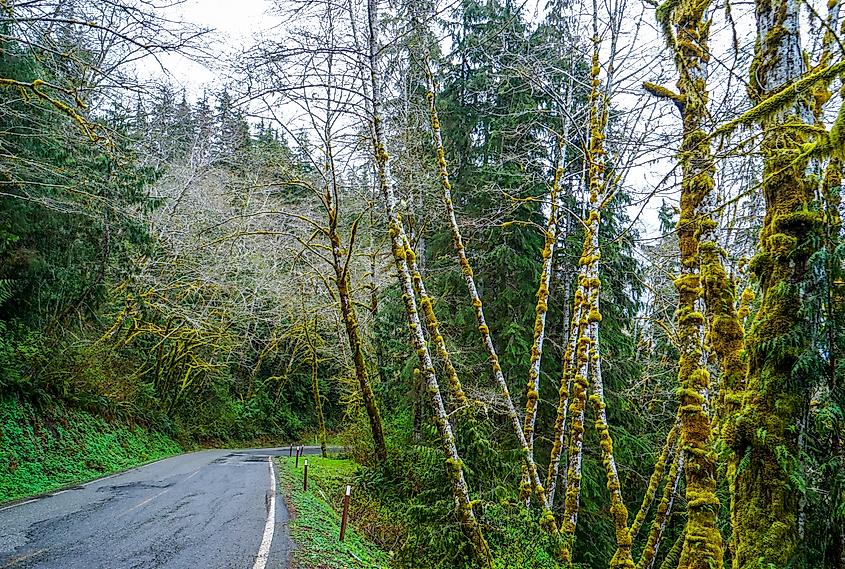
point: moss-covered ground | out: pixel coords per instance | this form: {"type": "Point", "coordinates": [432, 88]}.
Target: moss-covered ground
{"type": "Point", "coordinates": [53, 447]}
{"type": "Point", "coordinates": [316, 516]}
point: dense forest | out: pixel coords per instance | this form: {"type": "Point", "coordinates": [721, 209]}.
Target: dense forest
{"type": "Point", "coordinates": [566, 279]}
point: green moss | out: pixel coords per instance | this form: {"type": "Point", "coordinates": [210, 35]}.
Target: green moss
{"type": "Point", "coordinates": [57, 446]}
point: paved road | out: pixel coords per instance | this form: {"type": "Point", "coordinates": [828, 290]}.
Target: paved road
{"type": "Point", "coordinates": [206, 509]}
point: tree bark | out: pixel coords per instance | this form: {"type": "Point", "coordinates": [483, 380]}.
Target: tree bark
{"type": "Point", "coordinates": [764, 432]}
{"type": "Point", "coordinates": [454, 465]}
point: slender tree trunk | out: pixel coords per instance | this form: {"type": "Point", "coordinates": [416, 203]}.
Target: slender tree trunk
{"type": "Point", "coordinates": [454, 465]}
{"type": "Point", "coordinates": [436, 338]}
{"type": "Point", "coordinates": [533, 385]}
{"type": "Point", "coordinates": [657, 475]}
{"type": "Point", "coordinates": [315, 386]}
{"type": "Point", "coordinates": [353, 333]}
{"type": "Point", "coordinates": [661, 518]}
{"type": "Point", "coordinates": [671, 559]}
{"type": "Point", "coordinates": [569, 353]}
{"type": "Point", "coordinates": [547, 519]}
{"type": "Point", "coordinates": [579, 390]}
{"type": "Point", "coordinates": [599, 196]}
{"type": "Point", "coordinates": [563, 401]}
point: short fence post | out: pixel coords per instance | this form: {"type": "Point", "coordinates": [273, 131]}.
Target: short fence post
{"type": "Point", "coordinates": [305, 478]}
{"type": "Point", "coordinates": [290, 453]}
{"type": "Point", "coordinates": [345, 512]}
{"type": "Point", "coordinates": [297, 458]}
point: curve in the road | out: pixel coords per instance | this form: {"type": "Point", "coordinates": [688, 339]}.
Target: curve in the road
{"type": "Point", "coordinates": [210, 508]}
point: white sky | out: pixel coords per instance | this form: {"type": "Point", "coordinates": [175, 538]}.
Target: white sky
{"type": "Point", "coordinates": [232, 24]}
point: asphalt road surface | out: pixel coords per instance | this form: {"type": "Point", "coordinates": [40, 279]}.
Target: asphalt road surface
{"type": "Point", "coordinates": [208, 509]}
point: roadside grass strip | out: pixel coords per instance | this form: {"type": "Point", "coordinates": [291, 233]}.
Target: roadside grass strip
{"type": "Point", "coordinates": [315, 523]}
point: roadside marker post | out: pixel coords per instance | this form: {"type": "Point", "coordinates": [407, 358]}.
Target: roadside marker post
{"type": "Point", "coordinates": [305, 478]}
{"type": "Point", "coordinates": [297, 458]}
{"type": "Point", "coordinates": [345, 511]}
{"type": "Point", "coordinates": [290, 453]}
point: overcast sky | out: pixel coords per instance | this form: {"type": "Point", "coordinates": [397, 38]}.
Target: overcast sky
{"type": "Point", "coordinates": [233, 24]}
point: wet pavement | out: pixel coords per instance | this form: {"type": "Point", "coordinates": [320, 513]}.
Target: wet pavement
{"type": "Point", "coordinates": [204, 509]}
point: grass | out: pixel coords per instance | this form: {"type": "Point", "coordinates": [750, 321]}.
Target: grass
{"type": "Point", "coordinates": [315, 516]}
{"type": "Point", "coordinates": [42, 451]}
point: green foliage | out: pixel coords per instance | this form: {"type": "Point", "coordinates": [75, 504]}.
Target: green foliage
{"type": "Point", "coordinates": [45, 448]}
{"type": "Point", "coordinates": [819, 344]}
{"type": "Point", "coordinates": [315, 523]}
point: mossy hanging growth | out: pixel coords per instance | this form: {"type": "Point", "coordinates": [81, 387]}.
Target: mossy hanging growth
{"type": "Point", "coordinates": [547, 520]}
{"type": "Point", "coordinates": [764, 432]}
{"type": "Point", "coordinates": [686, 29]}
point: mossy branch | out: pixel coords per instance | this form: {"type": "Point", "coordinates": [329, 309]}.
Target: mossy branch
{"type": "Point", "coordinates": [663, 93]}
{"type": "Point", "coordinates": [769, 107]}
{"type": "Point", "coordinates": [36, 88]}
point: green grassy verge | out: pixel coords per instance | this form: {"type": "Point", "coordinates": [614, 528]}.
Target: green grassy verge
{"type": "Point", "coordinates": [55, 447]}
{"type": "Point", "coordinates": [315, 517]}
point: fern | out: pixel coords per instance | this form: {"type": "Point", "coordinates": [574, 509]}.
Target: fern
{"type": "Point", "coordinates": [6, 290]}
{"type": "Point", "coordinates": [745, 462]}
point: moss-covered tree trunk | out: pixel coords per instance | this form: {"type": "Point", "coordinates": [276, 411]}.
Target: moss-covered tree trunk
{"type": "Point", "coordinates": [454, 464]}
{"type": "Point", "coordinates": [460, 400]}
{"type": "Point", "coordinates": [764, 432]}
{"type": "Point", "coordinates": [588, 371]}
{"type": "Point", "coordinates": [540, 310]}
{"type": "Point", "coordinates": [561, 415]}
{"type": "Point", "coordinates": [686, 26]}
{"type": "Point", "coordinates": [547, 519]}
{"type": "Point", "coordinates": [578, 397]}
{"type": "Point", "coordinates": [599, 197]}
{"type": "Point", "coordinates": [661, 517]}
{"type": "Point", "coordinates": [356, 345]}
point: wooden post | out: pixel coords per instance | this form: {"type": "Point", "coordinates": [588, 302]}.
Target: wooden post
{"type": "Point", "coordinates": [345, 512]}
{"type": "Point", "coordinates": [290, 453]}
{"type": "Point", "coordinates": [297, 458]}
{"type": "Point", "coordinates": [305, 478]}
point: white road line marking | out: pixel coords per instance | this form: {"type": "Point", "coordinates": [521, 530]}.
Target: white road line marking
{"type": "Point", "coordinates": [16, 505]}
{"type": "Point", "coordinates": [264, 550]}
{"type": "Point", "coordinates": [59, 492]}
{"type": "Point", "coordinates": [192, 475]}
{"type": "Point", "coordinates": [103, 479]}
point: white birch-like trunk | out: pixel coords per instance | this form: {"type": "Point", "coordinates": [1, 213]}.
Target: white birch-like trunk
{"type": "Point", "coordinates": [454, 465]}
{"type": "Point", "coordinates": [466, 270]}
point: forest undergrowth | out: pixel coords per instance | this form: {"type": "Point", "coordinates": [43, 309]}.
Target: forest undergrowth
{"type": "Point", "coordinates": [44, 449]}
